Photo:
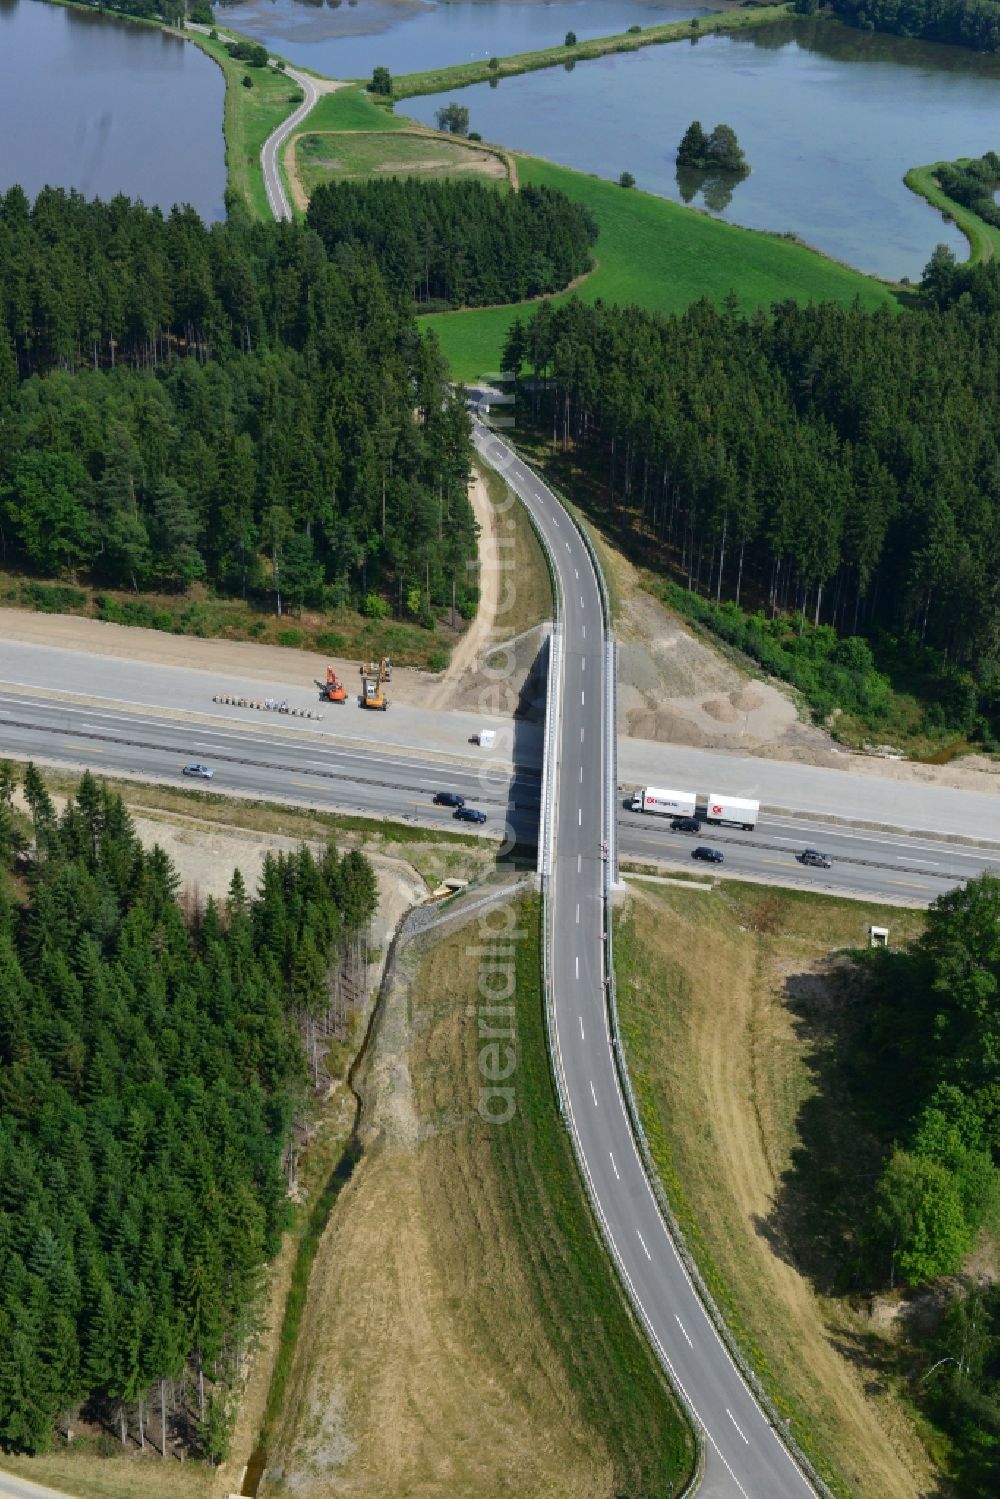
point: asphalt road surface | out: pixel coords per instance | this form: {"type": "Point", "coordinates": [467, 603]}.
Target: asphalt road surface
{"type": "Point", "coordinates": [269, 758]}
{"type": "Point", "coordinates": [744, 1455]}
{"type": "Point", "coordinates": [277, 198]}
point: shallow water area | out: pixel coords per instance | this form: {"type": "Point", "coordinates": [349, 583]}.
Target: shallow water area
{"type": "Point", "coordinates": [830, 120]}
{"type": "Point", "coordinates": [107, 106]}
{"type": "Point", "coordinates": [347, 38]}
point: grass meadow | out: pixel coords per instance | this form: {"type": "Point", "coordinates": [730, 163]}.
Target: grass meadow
{"type": "Point", "coordinates": [661, 256]}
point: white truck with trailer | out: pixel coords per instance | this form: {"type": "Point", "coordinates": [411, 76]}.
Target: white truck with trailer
{"type": "Point", "coordinates": [734, 810]}
{"type": "Point", "coordinates": [664, 803]}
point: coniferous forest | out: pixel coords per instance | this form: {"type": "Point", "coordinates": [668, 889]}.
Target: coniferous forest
{"type": "Point", "coordinates": [228, 404]}
{"type": "Point", "coordinates": [458, 243]}
{"type": "Point", "coordinates": [150, 1065]}
{"type": "Point", "coordinates": [828, 464]}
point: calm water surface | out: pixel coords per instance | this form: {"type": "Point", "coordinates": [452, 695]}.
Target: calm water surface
{"type": "Point", "coordinates": [108, 107]}
{"type": "Point", "coordinates": [829, 119]}
{"type": "Point", "coordinates": [348, 39]}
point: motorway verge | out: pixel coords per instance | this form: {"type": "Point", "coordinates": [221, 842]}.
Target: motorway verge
{"type": "Point", "coordinates": [462, 1303]}
{"type": "Point", "coordinates": [734, 1009]}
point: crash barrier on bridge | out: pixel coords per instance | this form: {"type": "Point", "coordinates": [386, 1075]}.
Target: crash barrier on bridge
{"type": "Point", "coordinates": [546, 818]}
{"type": "Point", "coordinates": [264, 705]}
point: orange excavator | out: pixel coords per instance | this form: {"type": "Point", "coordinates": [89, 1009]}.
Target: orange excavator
{"type": "Point", "coordinates": [333, 689]}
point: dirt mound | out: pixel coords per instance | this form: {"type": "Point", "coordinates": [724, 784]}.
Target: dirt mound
{"type": "Point", "coordinates": [747, 699]}
{"type": "Point", "coordinates": [721, 709]}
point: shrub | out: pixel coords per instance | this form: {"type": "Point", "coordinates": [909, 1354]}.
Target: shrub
{"type": "Point", "coordinates": [290, 637]}
{"type": "Point", "coordinates": [626, 180]}
{"type": "Point", "coordinates": [252, 53]}
{"type": "Point", "coordinates": [329, 640]}
{"type": "Point", "coordinates": [570, 39]}
{"type": "Point", "coordinates": [53, 598]}
{"type": "Point", "coordinates": [375, 606]}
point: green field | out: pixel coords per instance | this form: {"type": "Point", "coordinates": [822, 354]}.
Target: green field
{"type": "Point", "coordinates": [352, 109]}
{"type": "Point", "coordinates": [984, 239]}
{"type": "Point", "coordinates": [661, 256]}
{"type": "Point", "coordinates": [336, 156]}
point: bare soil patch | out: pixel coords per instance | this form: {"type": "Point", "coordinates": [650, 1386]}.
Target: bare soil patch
{"type": "Point", "coordinates": [676, 687]}
{"type": "Point", "coordinates": [495, 668]}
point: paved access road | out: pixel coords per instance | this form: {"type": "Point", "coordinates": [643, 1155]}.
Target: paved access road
{"type": "Point", "coordinates": [744, 1455]}
{"type": "Point", "coordinates": [277, 198]}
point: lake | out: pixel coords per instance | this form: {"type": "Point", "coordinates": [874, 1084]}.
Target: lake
{"type": "Point", "coordinates": [107, 106]}
{"type": "Point", "coordinates": [347, 40]}
{"type": "Point", "coordinates": [830, 119]}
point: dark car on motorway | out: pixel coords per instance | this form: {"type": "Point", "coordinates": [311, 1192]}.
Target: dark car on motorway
{"type": "Point", "coordinates": [710, 855]}
{"type": "Point", "coordinates": [195, 768]}
{"type": "Point", "coordinates": [815, 858]}
{"type": "Point", "coordinates": [470, 814]}
{"type": "Point", "coordinates": [448, 799]}
{"type": "Point", "coordinates": [685, 825]}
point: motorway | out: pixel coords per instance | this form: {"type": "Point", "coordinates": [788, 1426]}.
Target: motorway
{"type": "Point", "coordinates": [337, 767]}
{"type": "Point", "coordinates": [744, 1455]}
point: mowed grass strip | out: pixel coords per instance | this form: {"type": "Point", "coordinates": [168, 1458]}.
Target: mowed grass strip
{"type": "Point", "coordinates": [662, 256]}
{"type": "Point", "coordinates": [578, 1302]}
{"type": "Point", "coordinates": [250, 115]}
{"type": "Point", "coordinates": [334, 156]}
{"type": "Point", "coordinates": [735, 1014]}
{"type": "Point", "coordinates": [464, 1332]}
{"type": "Point", "coordinates": [435, 80]}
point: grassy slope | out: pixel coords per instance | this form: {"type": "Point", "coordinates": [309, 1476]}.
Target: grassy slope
{"type": "Point", "coordinates": [731, 1059]}
{"type": "Point", "coordinates": [342, 631]}
{"type": "Point", "coordinates": [662, 256]}
{"type": "Point", "coordinates": [984, 239]}
{"type": "Point", "coordinates": [465, 1333]}
{"type": "Point", "coordinates": [435, 80]}
{"type": "Point", "coordinates": [525, 585]}
{"type": "Point", "coordinates": [250, 116]}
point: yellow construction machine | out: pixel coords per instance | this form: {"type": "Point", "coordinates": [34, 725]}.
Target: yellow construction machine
{"type": "Point", "coordinates": [373, 679]}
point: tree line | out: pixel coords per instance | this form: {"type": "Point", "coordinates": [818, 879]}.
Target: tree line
{"type": "Point", "coordinates": [458, 243]}
{"type": "Point", "coordinates": [966, 23]}
{"type": "Point", "coordinates": [928, 1070]}
{"type": "Point", "coordinates": [229, 404]}
{"type": "Point", "coordinates": [151, 1062]}
{"type": "Point", "coordinates": [833, 464]}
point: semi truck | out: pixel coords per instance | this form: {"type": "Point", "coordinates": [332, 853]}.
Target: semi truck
{"type": "Point", "coordinates": [664, 803]}
{"type": "Point", "coordinates": [732, 809]}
